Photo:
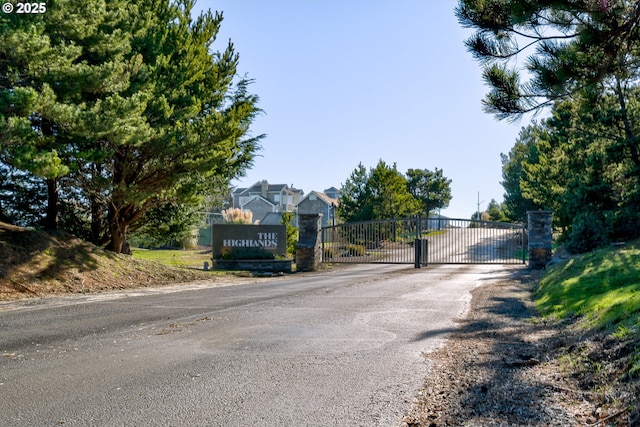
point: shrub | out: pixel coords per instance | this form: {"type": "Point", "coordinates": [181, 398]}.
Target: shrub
{"type": "Point", "coordinates": [328, 253]}
{"type": "Point", "coordinates": [356, 250]}
{"type": "Point", "coordinates": [247, 253]}
{"type": "Point", "coordinates": [588, 231]}
{"type": "Point", "coordinates": [292, 233]}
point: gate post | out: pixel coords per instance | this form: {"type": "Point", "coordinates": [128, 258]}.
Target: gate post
{"type": "Point", "coordinates": [421, 251]}
{"type": "Point", "coordinates": [417, 249]}
{"type": "Point", "coordinates": [417, 243]}
{"type": "Point", "coordinates": [309, 247]}
{"type": "Point", "coordinates": [540, 229]}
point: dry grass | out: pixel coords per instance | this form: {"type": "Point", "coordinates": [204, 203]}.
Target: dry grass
{"type": "Point", "coordinates": [237, 216]}
{"type": "Point", "coordinates": [35, 263]}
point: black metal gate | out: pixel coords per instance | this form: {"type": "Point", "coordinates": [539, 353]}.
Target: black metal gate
{"type": "Point", "coordinates": [422, 241]}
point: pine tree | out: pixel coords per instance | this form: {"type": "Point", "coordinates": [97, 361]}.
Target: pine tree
{"type": "Point", "coordinates": [125, 109]}
{"type": "Point", "coordinates": [198, 114]}
{"type": "Point", "coordinates": [55, 68]}
{"type": "Point", "coordinates": [379, 193]}
{"type": "Point", "coordinates": [432, 189]}
{"type": "Point", "coordinates": [565, 46]}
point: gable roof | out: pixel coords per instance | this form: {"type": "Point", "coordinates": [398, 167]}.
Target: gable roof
{"type": "Point", "coordinates": [257, 199]}
{"type": "Point", "coordinates": [323, 197]}
{"type": "Point", "coordinates": [272, 218]}
{"type": "Point", "coordinates": [271, 188]}
{"type": "Point", "coordinates": [239, 190]}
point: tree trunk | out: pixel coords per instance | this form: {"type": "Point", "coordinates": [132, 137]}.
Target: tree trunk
{"type": "Point", "coordinates": [118, 230]}
{"type": "Point", "coordinates": [118, 227]}
{"type": "Point", "coordinates": [53, 196]}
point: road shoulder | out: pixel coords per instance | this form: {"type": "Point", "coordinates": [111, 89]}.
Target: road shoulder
{"type": "Point", "coordinates": [505, 366]}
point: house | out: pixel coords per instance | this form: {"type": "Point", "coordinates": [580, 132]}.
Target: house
{"type": "Point", "coordinates": [332, 192]}
{"type": "Point", "coordinates": [263, 198]}
{"type": "Point", "coordinates": [317, 202]}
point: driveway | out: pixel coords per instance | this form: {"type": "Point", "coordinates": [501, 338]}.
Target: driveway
{"type": "Point", "coordinates": [340, 348]}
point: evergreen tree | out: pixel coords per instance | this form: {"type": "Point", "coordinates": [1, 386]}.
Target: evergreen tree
{"type": "Point", "coordinates": [571, 45]}
{"type": "Point", "coordinates": [383, 192]}
{"type": "Point", "coordinates": [356, 202]}
{"type": "Point", "coordinates": [524, 151]}
{"type": "Point", "coordinates": [583, 62]}
{"type": "Point", "coordinates": [390, 196]}
{"type": "Point", "coordinates": [122, 110]}
{"type": "Point", "coordinates": [496, 211]}
{"type": "Point", "coordinates": [432, 189]}
{"type": "Point", "coordinates": [198, 115]}
{"type": "Point", "coordinates": [578, 172]}
{"type": "Point", "coordinates": [67, 62]}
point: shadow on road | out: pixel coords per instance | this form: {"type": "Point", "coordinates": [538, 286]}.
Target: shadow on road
{"type": "Point", "coordinates": [490, 371]}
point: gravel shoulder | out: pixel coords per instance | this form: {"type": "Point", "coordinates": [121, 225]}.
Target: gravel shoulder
{"type": "Point", "coordinates": [505, 366]}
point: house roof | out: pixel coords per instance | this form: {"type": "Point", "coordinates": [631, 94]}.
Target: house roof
{"type": "Point", "coordinates": [328, 200]}
{"type": "Point", "coordinates": [271, 188]}
{"type": "Point", "coordinates": [240, 190]}
{"type": "Point", "coordinates": [272, 218]}
{"type": "Point", "coordinates": [255, 199]}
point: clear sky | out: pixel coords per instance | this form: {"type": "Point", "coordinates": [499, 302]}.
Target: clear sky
{"type": "Point", "coordinates": [349, 81]}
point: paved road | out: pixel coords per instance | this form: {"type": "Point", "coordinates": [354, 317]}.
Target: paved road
{"type": "Point", "coordinates": [469, 245]}
{"type": "Point", "coordinates": [342, 348]}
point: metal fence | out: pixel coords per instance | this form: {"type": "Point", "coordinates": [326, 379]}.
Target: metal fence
{"type": "Point", "coordinates": [204, 231]}
{"type": "Point", "coordinates": [422, 241]}
{"type": "Point", "coordinates": [384, 242]}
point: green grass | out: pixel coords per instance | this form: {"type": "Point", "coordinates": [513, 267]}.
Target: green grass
{"type": "Point", "coordinates": [520, 252]}
{"type": "Point", "coordinates": [602, 290]}
{"type": "Point", "coordinates": [602, 287]}
{"type": "Point", "coordinates": [175, 257]}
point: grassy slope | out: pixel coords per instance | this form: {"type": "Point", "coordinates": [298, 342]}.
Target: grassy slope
{"type": "Point", "coordinates": [35, 263]}
{"type": "Point", "coordinates": [600, 293]}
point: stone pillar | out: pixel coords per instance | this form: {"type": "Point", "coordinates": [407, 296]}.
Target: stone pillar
{"type": "Point", "coordinates": [309, 247]}
{"type": "Point", "coordinates": [540, 230]}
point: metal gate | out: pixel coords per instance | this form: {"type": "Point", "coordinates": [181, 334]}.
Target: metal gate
{"type": "Point", "coordinates": [422, 241]}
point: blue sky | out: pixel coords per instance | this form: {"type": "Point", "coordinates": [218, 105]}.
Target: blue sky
{"type": "Point", "coordinates": [349, 81]}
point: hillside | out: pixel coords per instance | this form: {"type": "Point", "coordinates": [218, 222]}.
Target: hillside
{"type": "Point", "coordinates": [34, 263]}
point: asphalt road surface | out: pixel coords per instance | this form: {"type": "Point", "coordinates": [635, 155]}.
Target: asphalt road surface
{"type": "Point", "coordinates": [469, 245]}
{"type": "Point", "coordinates": [342, 348]}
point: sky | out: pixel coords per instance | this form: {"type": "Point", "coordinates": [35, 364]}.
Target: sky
{"type": "Point", "coordinates": [343, 82]}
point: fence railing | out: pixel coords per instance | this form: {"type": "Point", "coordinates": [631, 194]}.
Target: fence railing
{"type": "Point", "coordinates": [384, 242]}
{"type": "Point", "coordinates": [422, 241]}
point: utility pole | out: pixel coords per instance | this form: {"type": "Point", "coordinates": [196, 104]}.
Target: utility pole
{"type": "Point", "coordinates": [479, 216]}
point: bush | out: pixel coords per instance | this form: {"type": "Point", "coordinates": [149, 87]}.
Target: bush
{"type": "Point", "coordinates": [247, 253]}
{"type": "Point", "coordinates": [292, 233]}
{"type": "Point", "coordinates": [626, 224]}
{"type": "Point", "coordinates": [588, 231]}
{"type": "Point", "coordinates": [356, 250]}
{"type": "Point", "coordinates": [328, 252]}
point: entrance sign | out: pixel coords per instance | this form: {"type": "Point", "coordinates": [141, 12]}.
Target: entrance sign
{"type": "Point", "coordinates": [226, 237]}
